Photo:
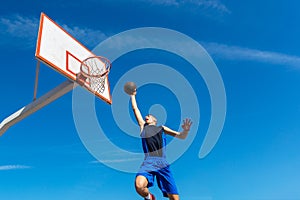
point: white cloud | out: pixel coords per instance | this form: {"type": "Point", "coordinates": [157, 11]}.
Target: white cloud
{"type": "Point", "coordinates": [115, 160]}
{"type": "Point", "coordinates": [13, 167]}
{"type": "Point", "coordinates": [216, 50]}
{"type": "Point", "coordinates": [17, 30]}
{"type": "Point", "coordinates": [21, 31]}
{"type": "Point", "coordinates": [19, 26]}
{"type": "Point", "coordinates": [166, 2]}
{"type": "Point", "coordinates": [245, 54]}
{"type": "Point", "coordinates": [212, 4]}
{"type": "Point", "coordinates": [85, 35]}
{"type": "Point", "coordinates": [215, 5]}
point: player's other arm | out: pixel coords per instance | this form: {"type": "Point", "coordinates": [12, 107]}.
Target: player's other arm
{"type": "Point", "coordinates": [183, 134]}
{"type": "Point", "coordinates": [136, 111]}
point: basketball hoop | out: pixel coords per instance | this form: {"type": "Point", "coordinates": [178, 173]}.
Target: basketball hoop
{"type": "Point", "coordinates": [93, 73]}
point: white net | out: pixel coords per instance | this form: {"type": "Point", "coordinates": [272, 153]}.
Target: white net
{"type": "Point", "coordinates": [95, 70]}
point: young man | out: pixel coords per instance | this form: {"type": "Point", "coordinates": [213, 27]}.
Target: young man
{"type": "Point", "coordinates": [155, 164]}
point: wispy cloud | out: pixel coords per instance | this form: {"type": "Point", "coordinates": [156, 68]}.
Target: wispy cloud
{"type": "Point", "coordinates": [13, 167]}
{"type": "Point", "coordinates": [202, 4]}
{"type": "Point", "coordinates": [20, 31]}
{"type": "Point", "coordinates": [85, 35]}
{"type": "Point", "coordinates": [17, 30]}
{"type": "Point", "coordinates": [245, 54]}
{"type": "Point", "coordinates": [115, 160]}
{"type": "Point", "coordinates": [164, 2]}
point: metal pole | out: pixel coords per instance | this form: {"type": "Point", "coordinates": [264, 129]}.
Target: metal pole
{"type": "Point", "coordinates": [36, 79]}
{"type": "Point", "coordinates": [46, 99]}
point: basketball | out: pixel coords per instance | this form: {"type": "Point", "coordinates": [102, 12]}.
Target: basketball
{"type": "Point", "coordinates": [130, 88]}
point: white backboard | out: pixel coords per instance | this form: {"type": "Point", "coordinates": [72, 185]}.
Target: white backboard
{"type": "Point", "coordinates": [62, 52]}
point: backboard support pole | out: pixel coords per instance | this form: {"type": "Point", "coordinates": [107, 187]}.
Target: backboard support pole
{"type": "Point", "coordinates": [38, 64]}
{"type": "Point", "coordinates": [39, 103]}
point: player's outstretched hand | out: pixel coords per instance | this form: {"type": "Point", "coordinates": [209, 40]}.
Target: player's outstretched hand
{"type": "Point", "coordinates": [187, 123]}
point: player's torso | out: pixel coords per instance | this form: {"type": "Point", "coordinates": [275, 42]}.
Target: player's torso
{"type": "Point", "coordinates": [153, 141]}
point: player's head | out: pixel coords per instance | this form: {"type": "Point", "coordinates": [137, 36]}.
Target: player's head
{"type": "Point", "coordinates": [150, 119]}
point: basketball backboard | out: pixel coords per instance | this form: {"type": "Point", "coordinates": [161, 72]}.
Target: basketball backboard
{"type": "Point", "coordinates": [63, 53]}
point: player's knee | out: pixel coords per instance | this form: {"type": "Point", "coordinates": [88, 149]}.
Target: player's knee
{"type": "Point", "coordinates": [138, 186]}
{"type": "Point", "coordinates": [140, 183]}
{"type": "Point", "coordinates": [173, 197]}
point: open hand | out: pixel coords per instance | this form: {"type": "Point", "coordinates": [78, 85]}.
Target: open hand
{"type": "Point", "coordinates": [187, 123]}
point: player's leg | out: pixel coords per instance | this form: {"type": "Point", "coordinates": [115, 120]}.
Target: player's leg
{"type": "Point", "coordinates": [166, 183]}
{"type": "Point", "coordinates": [141, 184]}
{"type": "Point", "coordinates": [144, 180]}
{"type": "Point", "coordinates": [173, 196]}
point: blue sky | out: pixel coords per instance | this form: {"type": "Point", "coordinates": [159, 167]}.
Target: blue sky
{"type": "Point", "coordinates": [255, 46]}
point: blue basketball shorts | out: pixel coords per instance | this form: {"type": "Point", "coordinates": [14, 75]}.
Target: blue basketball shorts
{"type": "Point", "coordinates": [163, 175]}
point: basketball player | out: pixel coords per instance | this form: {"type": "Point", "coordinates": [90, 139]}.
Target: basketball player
{"type": "Point", "coordinates": [155, 164]}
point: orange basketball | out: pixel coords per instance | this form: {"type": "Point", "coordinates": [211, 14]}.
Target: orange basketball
{"type": "Point", "coordinates": [130, 88]}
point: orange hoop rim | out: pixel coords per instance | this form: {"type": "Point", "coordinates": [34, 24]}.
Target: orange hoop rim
{"type": "Point", "coordinates": [102, 59]}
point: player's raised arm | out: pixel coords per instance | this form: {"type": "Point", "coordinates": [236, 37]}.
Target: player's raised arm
{"type": "Point", "coordinates": [183, 134]}
{"type": "Point", "coordinates": [137, 113]}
